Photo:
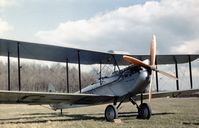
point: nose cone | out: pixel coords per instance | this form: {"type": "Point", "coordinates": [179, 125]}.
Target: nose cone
{"type": "Point", "coordinates": [142, 82]}
{"type": "Point", "coordinates": [144, 75]}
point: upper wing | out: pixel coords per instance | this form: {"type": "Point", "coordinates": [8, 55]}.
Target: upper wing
{"type": "Point", "coordinates": [61, 54]}
{"type": "Point", "coordinates": [13, 97]}
{"type": "Point", "coordinates": [179, 93]}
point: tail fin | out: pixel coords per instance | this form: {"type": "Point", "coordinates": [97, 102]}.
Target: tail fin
{"type": "Point", "coordinates": [51, 88]}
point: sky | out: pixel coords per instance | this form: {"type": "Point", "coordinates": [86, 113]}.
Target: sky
{"type": "Point", "coordinates": [103, 25]}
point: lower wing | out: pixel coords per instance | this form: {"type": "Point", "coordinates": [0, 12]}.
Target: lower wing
{"type": "Point", "coordinates": [179, 93]}
{"type": "Point", "coordinates": [23, 97]}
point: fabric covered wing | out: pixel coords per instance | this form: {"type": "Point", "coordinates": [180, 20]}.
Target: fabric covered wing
{"type": "Point", "coordinates": [22, 97]}
{"type": "Point", "coordinates": [63, 54]}
{"type": "Point", "coordinates": [180, 93]}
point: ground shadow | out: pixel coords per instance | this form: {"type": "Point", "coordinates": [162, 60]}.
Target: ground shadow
{"type": "Point", "coordinates": [134, 114]}
{"type": "Point", "coordinates": [53, 117]}
{"type": "Point", "coordinates": [49, 118]}
{"type": "Point", "coordinates": [163, 113]}
{"type": "Point", "coordinates": [37, 114]}
{"type": "Point", "coordinates": [190, 123]}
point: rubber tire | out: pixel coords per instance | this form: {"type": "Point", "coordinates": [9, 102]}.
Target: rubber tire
{"type": "Point", "coordinates": [111, 113]}
{"type": "Point", "coordinates": [144, 111]}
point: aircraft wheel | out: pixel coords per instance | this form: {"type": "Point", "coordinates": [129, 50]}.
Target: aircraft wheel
{"type": "Point", "coordinates": [111, 113]}
{"type": "Point", "coordinates": [144, 111]}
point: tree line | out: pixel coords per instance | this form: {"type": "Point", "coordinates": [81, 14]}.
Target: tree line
{"type": "Point", "coordinates": [37, 77]}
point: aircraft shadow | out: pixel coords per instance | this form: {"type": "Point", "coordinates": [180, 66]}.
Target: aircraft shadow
{"type": "Point", "coordinates": [191, 123]}
{"type": "Point", "coordinates": [134, 114]}
{"type": "Point", "coordinates": [37, 114]}
{"type": "Point", "coordinates": [53, 117]}
{"type": "Point", "coordinates": [46, 118]}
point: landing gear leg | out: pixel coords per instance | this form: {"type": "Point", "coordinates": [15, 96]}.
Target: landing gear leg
{"type": "Point", "coordinates": [144, 110]}
{"type": "Point", "coordinates": [141, 98]}
{"type": "Point", "coordinates": [133, 102]}
{"type": "Point", "coordinates": [61, 112]}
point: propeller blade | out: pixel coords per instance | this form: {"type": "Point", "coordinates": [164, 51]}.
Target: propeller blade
{"type": "Point", "coordinates": [166, 74]}
{"type": "Point", "coordinates": [135, 61]}
{"type": "Point", "coordinates": [152, 63]}
{"type": "Point", "coordinates": [153, 51]}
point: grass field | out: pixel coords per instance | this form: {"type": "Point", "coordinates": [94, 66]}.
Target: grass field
{"type": "Point", "coordinates": [167, 112]}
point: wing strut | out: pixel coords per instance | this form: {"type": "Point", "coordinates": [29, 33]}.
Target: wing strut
{"type": "Point", "coordinates": [79, 67]}
{"type": "Point", "coordinates": [116, 63]}
{"type": "Point", "coordinates": [8, 70]}
{"type": "Point", "coordinates": [100, 72]}
{"type": "Point", "coordinates": [176, 69]}
{"type": "Point", "coordinates": [156, 76]}
{"type": "Point", "coordinates": [190, 72]}
{"type": "Point", "coordinates": [67, 77]}
{"type": "Point", "coordinates": [19, 66]}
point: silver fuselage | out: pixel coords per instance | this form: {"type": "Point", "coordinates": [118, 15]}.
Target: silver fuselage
{"type": "Point", "coordinates": [132, 80]}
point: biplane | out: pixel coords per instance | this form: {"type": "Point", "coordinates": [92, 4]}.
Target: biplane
{"type": "Point", "coordinates": [124, 85]}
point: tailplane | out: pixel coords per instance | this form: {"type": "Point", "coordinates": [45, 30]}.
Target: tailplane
{"type": "Point", "coordinates": [51, 88]}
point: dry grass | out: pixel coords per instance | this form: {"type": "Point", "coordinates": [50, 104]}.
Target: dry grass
{"type": "Point", "coordinates": [167, 112]}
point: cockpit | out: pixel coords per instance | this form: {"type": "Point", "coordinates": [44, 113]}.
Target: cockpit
{"type": "Point", "coordinates": [130, 70]}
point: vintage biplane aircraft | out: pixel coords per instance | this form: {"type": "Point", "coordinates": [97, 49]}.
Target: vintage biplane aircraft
{"type": "Point", "coordinates": [124, 85]}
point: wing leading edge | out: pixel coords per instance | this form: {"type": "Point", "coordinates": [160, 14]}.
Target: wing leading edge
{"type": "Point", "coordinates": [63, 54]}
{"type": "Point", "coordinates": [23, 97]}
{"type": "Point", "coordinates": [179, 93]}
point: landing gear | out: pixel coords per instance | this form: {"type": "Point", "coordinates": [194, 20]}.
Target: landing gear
{"type": "Point", "coordinates": [111, 113]}
{"type": "Point", "coordinates": [144, 111]}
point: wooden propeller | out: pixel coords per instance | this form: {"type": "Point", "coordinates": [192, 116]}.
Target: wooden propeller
{"type": "Point", "coordinates": [151, 66]}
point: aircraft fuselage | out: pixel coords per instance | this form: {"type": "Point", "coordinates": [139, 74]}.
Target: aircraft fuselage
{"type": "Point", "coordinates": [131, 80]}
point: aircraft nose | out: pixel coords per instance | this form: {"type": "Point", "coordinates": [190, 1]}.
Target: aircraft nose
{"type": "Point", "coordinates": [146, 75]}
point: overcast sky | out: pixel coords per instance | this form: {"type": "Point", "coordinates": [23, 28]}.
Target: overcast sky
{"type": "Point", "coordinates": [104, 25]}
